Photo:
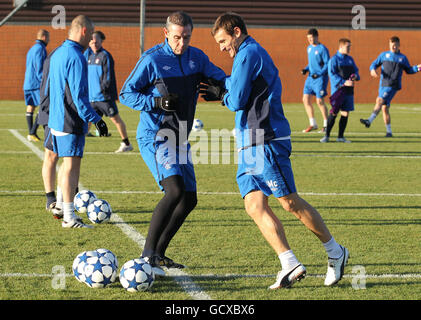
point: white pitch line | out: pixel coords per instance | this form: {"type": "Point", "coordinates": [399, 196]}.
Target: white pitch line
{"type": "Point", "coordinates": [319, 194]}
{"type": "Point", "coordinates": [201, 154]}
{"type": "Point", "coordinates": [180, 277]}
{"type": "Point", "coordinates": [232, 275]}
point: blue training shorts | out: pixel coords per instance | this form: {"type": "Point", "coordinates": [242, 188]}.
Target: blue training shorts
{"type": "Point", "coordinates": [165, 160]}
{"type": "Point", "coordinates": [387, 94]}
{"type": "Point", "coordinates": [48, 139]}
{"type": "Point", "coordinates": [32, 97]}
{"type": "Point", "coordinates": [316, 87]}
{"type": "Point", "coordinates": [70, 145]}
{"type": "Point", "coordinates": [266, 168]}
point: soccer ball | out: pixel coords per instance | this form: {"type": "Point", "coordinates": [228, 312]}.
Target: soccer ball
{"type": "Point", "coordinates": [136, 275]}
{"type": "Point", "coordinates": [99, 272]}
{"type": "Point", "coordinates": [83, 199]}
{"type": "Point", "coordinates": [79, 264]}
{"type": "Point", "coordinates": [99, 211]}
{"type": "Point", "coordinates": [197, 125]}
{"type": "Point", "coordinates": [108, 254]}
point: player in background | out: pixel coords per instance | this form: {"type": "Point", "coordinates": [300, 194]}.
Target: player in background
{"type": "Point", "coordinates": [103, 86]}
{"type": "Point", "coordinates": [393, 63]}
{"type": "Point", "coordinates": [33, 73]}
{"type": "Point", "coordinates": [164, 87]}
{"type": "Point", "coordinates": [316, 82]}
{"type": "Point", "coordinates": [343, 73]}
{"type": "Point", "coordinates": [263, 136]}
{"type": "Point", "coordinates": [70, 111]}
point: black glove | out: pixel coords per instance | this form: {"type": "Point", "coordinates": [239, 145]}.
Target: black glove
{"type": "Point", "coordinates": [102, 128]}
{"type": "Point", "coordinates": [304, 71]}
{"type": "Point", "coordinates": [212, 92]}
{"type": "Point", "coordinates": [167, 103]}
{"type": "Point", "coordinates": [314, 76]}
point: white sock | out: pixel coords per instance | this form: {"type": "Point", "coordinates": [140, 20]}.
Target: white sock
{"type": "Point", "coordinates": [59, 202]}
{"type": "Point", "coordinates": [324, 123]}
{"type": "Point", "coordinates": [388, 128]}
{"type": "Point", "coordinates": [372, 117]}
{"type": "Point", "coordinates": [313, 122]}
{"type": "Point", "coordinates": [288, 260]}
{"type": "Point", "coordinates": [68, 211]}
{"type": "Point", "coordinates": [333, 249]}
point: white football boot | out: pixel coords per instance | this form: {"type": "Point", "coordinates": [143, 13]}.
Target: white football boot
{"type": "Point", "coordinates": [335, 268]}
{"type": "Point", "coordinates": [124, 148]}
{"type": "Point", "coordinates": [286, 278]}
{"type": "Point", "coordinates": [75, 222]}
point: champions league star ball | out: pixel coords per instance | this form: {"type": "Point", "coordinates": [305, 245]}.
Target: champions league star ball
{"type": "Point", "coordinates": [108, 254]}
{"type": "Point", "coordinates": [197, 125]}
{"type": "Point", "coordinates": [99, 272]}
{"type": "Point", "coordinates": [83, 199]}
{"type": "Point", "coordinates": [79, 264]}
{"type": "Point", "coordinates": [99, 211]}
{"type": "Point", "coordinates": [136, 275]}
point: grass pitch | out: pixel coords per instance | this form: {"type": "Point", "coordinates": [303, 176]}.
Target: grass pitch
{"type": "Point", "coordinates": [368, 192]}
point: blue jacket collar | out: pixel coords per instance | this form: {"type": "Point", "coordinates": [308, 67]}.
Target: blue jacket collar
{"type": "Point", "coordinates": [71, 43]}
{"type": "Point", "coordinates": [169, 51]}
{"type": "Point", "coordinates": [245, 42]}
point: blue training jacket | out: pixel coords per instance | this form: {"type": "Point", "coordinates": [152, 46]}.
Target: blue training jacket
{"type": "Point", "coordinates": [392, 66]}
{"type": "Point", "coordinates": [70, 110]}
{"type": "Point", "coordinates": [340, 68]}
{"type": "Point", "coordinates": [34, 63]}
{"type": "Point", "coordinates": [101, 75]}
{"type": "Point", "coordinates": [159, 72]}
{"type": "Point", "coordinates": [318, 57]}
{"type": "Point", "coordinates": [254, 93]}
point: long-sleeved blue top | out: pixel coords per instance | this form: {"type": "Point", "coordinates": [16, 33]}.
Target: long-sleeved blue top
{"type": "Point", "coordinates": [101, 75]}
{"type": "Point", "coordinates": [393, 64]}
{"type": "Point", "coordinates": [340, 68]}
{"type": "Point", "coordinates": [159, 72]}
{"type": "Point", "coordinates": [70, 110]}
{"type": "Point", "coordinates": [254, 93]}
{"type": "Point", "coordinates": [318, 57]}
{"type": "Point", "coordinates": [34, 63]}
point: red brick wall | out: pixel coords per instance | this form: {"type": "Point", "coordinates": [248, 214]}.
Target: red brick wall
{"type": "Point", "coordinates": [286, 46]}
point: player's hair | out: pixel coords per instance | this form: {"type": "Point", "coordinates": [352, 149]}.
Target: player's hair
{"type": "Point", "coordinates": [395, 39]}
{"type": "Point", "coordinates": [79, 22]}
{"type": "Point", "coordinates": [228, 21]}
{"type": "Point", "coordinates": [100, 34]}
{"type": "Point", "coordinates": [344, 41]}
{"type": "Point", "coordinates": [42, 33]}
{"type": "Point", "coordinates": [179, 18]}
{"type": "Point", "coordinates": [313, 32]}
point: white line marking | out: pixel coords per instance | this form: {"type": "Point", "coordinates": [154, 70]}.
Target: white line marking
{"type": "Point", "coordinates": [231, 154]}
{"type": "Point", "coordinates": [318, 194]}
{"type": "Point", "coordinates": [180, 277]}
{"type": "Point", "coordinates": [232, 275]}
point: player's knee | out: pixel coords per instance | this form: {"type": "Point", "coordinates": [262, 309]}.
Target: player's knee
{"type": "Point", "coordinates": [253, 208]}
{"type": "Point", "coordinates": [290, 204]}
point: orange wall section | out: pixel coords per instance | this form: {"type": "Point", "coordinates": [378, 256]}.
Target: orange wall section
{"type": "Point", "coordinates": [287, 48]}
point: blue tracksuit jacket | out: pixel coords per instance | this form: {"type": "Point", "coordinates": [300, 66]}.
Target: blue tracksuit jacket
{"type": "Point", "coordinates": [392, 66]}
{"type": "Point", "coordinates": [340, 68]}
{"type": "Point", "coordinates": [101, 76]}
{"type": "Point", "coordinates": [254, 93]}
{"type": "Point", "coordinates": [159, 72]}
{"type": "Point", "coordinates": [70, 110]}
{"type": "Point", "coordinates": [318, 57]}
{"type": "Point", "coordinates": [34, 63]}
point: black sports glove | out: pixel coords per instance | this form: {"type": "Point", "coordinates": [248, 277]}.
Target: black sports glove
{"type": "Point", "coordinates": [167, 103]}
{"type": "Point", "coordinates": [212, 92]}
{"type": "Point", "coordinates": [102, 128]}
{"type": "Point", "coordinates": [314, 76]}
{"type": "Point", "coordinates": [304, 71]}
